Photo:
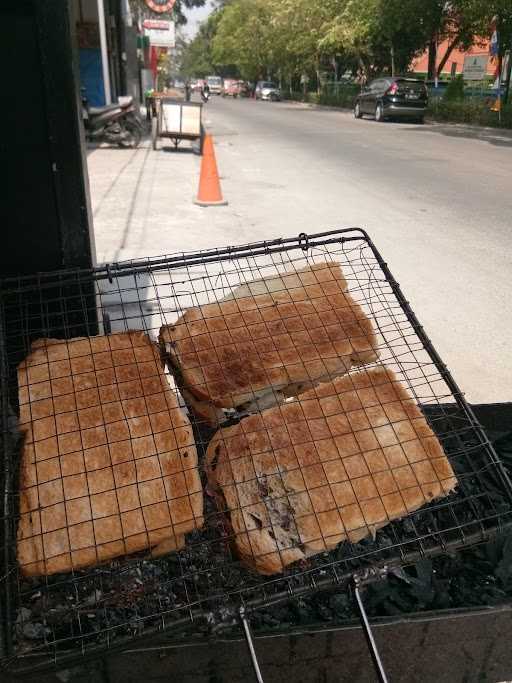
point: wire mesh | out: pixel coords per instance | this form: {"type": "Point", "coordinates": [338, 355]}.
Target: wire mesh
{"type": "Point", "coordinates": [75, 603]}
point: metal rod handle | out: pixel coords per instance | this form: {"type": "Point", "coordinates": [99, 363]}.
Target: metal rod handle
{"type": "Point", "coordinates": [250, 645]}
{"type": "Point", "coordinates": [377, 662]}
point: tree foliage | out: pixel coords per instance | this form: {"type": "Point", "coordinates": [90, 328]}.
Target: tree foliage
{"type": "Point", "coordinates": [243, 38]}
{"type": "Point", "coordinates": [286, 38]}
{"type": "Point", "coordinates": [197, 57]}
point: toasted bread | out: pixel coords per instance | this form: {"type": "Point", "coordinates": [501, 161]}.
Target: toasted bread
{"type": "Point", "coordinates": [108, 462]}
{"type": "Point", "coordinates": [269, 339]}
{"type": "Point", "coordinates": [335, 464]}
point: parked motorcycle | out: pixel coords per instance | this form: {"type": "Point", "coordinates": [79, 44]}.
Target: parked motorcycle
{"type": "Point", "coordinates": [117, 124]}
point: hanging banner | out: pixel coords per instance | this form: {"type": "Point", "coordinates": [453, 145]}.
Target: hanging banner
{"type": "Point", "coordinates": [160, 6]}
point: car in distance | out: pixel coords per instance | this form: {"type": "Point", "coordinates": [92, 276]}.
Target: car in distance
{"type": "Point", "coordinates": [197, 85]}
{"type": "Point", "coordinates": [231, 88]}
{"type": "Point", "coordinates": [393, 97]}
{"type": "Point", "coordinates": [215, 84]}
{"type": "Point", "coordinates": [245, 89]}
{"type": "Point", "coordinates": [266, 90]}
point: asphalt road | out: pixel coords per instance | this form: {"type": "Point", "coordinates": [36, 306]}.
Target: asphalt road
{"type": "Point", "coordinates": [436, 200]}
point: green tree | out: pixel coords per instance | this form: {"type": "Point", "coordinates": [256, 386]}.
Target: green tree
{"type": "Point", "coordinates": [464, 23]}
{"type": "Point", "coordinates": [286, 38]}
{"type": "Point", "coordinates": [298, 31]}
{"type": "Point", "coordinates": [197, 56]}
{"type": "Point", "coordinates": [381, 34]}
{"type": "Point", "coordinates": [243, 38]}
{"type": "Point", "coordinates": [460, 24]}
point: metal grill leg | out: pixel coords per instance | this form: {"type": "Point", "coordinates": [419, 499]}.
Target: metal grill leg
{"type": "Point", "coordinates": [250, 645]}
{"type": "Point", "coordinates": [377, 662]}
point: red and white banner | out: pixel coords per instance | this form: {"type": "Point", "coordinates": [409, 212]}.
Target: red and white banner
{"type": "Point", "coordinates": [160, 33]}
{"type": "Point", "coordinates": [158, 24]}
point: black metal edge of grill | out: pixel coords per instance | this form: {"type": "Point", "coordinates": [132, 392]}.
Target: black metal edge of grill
{"type": "Point", "coordinates": [340, 572]}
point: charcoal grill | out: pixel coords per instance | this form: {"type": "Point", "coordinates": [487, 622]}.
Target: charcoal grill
{"type": "Point", "coordinates": [64, 617]}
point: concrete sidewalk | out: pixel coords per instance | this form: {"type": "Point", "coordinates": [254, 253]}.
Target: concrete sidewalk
{"type": "Point", "coordinates": [142, 202]}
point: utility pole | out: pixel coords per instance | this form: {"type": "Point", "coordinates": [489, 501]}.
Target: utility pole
{"type": "Point", "coordinates": [508, 75]}
{"type": "Point", "coordinates": [104, 52]}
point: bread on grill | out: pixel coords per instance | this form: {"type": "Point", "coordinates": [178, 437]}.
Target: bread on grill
{"type": "Point", "coordinates": [335, 464]}
{"type": "Point", "coordinates": [269, 339]}
{"type": "Point", "coordinates": [108, 462]}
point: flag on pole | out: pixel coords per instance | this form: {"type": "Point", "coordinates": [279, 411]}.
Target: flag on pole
{"type": "Point", "coordinates": [494, 51]}
{"type": "Point", "coordinates": [494, 45]}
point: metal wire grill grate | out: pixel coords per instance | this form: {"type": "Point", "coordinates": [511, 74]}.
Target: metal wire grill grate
{"type": "Point", "coordinates": [90, 609]}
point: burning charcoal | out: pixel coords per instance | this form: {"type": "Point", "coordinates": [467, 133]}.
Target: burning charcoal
{"type": "Point", "coordinates": [325, 612]}
{"type": "Point", "coordinates": [35, 631]}
{"type": "Point", "coordinates": [94, 598]}
{"type": "Point", "coordinates": [24, 615]}
{"type": "Point", "coordinates": [339, 603]}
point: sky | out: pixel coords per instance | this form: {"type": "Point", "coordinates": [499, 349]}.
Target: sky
{"type": "Point", "coordinates": [195, 17]}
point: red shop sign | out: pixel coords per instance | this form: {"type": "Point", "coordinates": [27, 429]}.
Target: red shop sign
{"type": "Point", "coordinates": [160, 5]}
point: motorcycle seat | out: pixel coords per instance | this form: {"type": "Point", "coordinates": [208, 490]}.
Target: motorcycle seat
{"type": "Point", "coordinates": [94, 111]}
{"type": "Point", "coordinates": [125, 100]}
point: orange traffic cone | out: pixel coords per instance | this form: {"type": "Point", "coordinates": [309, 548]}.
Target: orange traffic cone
{"type": "Point", "coordinates": [497, 105]}
{"type": "Point", "coordinates": [210, 193]}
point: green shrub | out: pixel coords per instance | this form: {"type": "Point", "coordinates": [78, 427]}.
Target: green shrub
{"type": "Point", "coordinates": [454, 90]}
{"type": "Point", "coordinates": [471, 111]}
{"type": "Point", "coordinates": [296, 95]}
{"type": "Point", "coordinates": [339, 96]}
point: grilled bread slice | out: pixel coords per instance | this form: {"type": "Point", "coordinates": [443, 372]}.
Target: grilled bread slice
{"type": "Point", "coordinates": [108, 463]}
{"type": "Point", "coordinates": [335, 464]}
{"type": "Point", "coordinates": [270, 339]}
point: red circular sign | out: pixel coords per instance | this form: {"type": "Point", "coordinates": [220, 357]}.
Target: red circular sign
{"type": "Point", "coordinates": [160, 5]}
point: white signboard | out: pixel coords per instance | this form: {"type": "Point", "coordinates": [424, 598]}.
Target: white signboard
{"type": "Point", "coordinates": [160, 33]}
{"type": "Point", "coordinates": [475, 67]}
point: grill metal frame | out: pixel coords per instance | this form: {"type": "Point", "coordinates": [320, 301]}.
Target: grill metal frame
{"type": "Point", "coordinates": [64, 304]}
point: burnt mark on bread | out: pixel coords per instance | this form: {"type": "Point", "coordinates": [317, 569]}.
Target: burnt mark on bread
{"type": "Point", "coordinates": [263, 488]}
{"type": "Point", "coordinates": [286, 521]}
{"type": "Point", "coordinates": [281, 514]}
{"type": "Point", "coordinates": [215, 459]}
{"type": "Point", "coordinates": [256, 520]}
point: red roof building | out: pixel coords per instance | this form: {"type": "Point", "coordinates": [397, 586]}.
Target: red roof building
{"type": "Point", "coordinates": [455, 62]}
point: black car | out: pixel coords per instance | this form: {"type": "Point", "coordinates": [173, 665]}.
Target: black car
{"type": "Point", "coordinates": [389, 97]}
